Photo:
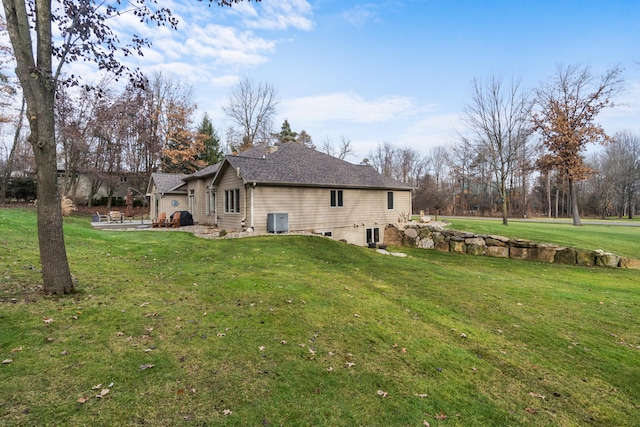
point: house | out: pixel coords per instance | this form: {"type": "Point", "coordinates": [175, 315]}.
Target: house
{"type": "Point", "coordinates": [288, 187]}
{"type": "Point", "coordinates": [167, 192]}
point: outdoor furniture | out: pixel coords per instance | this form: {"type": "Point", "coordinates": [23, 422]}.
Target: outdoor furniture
{"type": "Point", "coordinates": [161, 221]}
{"type": "Point", "coordinates": [116, 216]}
{"type": "Point", "coordinates": [175, 220]}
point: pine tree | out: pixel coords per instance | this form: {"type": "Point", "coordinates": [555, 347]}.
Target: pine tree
{"type": "Point", "coordinates": [286, 135]}
{"type": "Point", "coordinates": [212, 153]}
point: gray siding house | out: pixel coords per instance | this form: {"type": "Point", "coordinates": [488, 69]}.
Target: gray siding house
{"type": "Point", "coordinates": [288, 187]}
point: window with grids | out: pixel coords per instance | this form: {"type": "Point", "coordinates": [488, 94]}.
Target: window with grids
{"type": "Point", "coordinates": [337, 200]}
{"type": "Point", "coordinates": [232, 201]}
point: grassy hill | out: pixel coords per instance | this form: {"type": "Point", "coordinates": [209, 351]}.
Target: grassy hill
{"type": "Point", "coordinates": [174, 330]}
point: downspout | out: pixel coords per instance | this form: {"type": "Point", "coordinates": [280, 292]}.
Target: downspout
{"type": "Point", "coordinates": [244, 218]}
{"type": "Point", "coordinates": [252, 215]}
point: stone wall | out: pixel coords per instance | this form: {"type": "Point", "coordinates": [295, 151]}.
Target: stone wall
{"type": "Point", "coordinates": [435, 237]}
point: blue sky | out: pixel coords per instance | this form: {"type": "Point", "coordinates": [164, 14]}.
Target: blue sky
{"type": "Point", "coordinates": [396, 71]}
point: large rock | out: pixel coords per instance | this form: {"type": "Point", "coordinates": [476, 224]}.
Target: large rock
{"type": "Point", "coordinates": [629, 263]}
{"type": "Point", "coordinates": [585, 257]}
{"type": "Point", "coordinates": [497, 251]}
{"type": "Point", "coordinates": [477, 241]}
{"type": "Point", "coordinates": [457, 246]}
{"type": "Point", "coordinates": [606, 259]}
{"type": "Point", "coordinates": [565, 256]}
{"type": "Point", "coordinates": [392, 236]}
{"type": "Point", "coordinates": [517, 252]}
{"type": "Point", "coordinates": [543, 253]}
{"type": "Point", "coordinates": [474, 249]}
{"type": "Point", "coordinates": [425, 243]}
{"type": "Point", "coordinates": [441, 245]}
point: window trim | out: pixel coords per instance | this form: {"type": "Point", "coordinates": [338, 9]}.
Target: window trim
{"type": "Point", "coordinates": [232, 201]}
{"type": "Point", "coordinates": [372, 235]}
{"type": "Point", "coordinates": [337, 199]}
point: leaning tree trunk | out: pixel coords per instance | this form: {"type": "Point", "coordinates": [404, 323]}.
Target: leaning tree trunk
{"type": "Point", "coordinates": [53, 256]}
{"type": "Point", "coordinates": [38, 88]}
{"type": "Point", "coordinates": [573, 195]}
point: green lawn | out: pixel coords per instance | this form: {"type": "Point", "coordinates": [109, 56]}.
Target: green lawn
{"type": "Point", "coordinates": [619, 239]}
{"type": "Point", "coordinates": [174, 330]}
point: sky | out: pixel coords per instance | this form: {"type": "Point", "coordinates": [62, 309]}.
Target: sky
{"type": "Point", "coordinates": [390, 70]}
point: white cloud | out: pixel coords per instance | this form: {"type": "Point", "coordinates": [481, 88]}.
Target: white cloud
{"type": "Point", "coordinates": [347, 107]}
{"type": "Point", "coordinates": [279, 15]}
{"type": "Point", "coordinates": [360, 15]}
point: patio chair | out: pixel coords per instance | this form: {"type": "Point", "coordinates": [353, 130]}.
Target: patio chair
{"type": "Point", "coordinates": [175, 220]}
{"type": "Point", "coordinates": [116, 216]}
{"type": "Point", "coordinates": [161, 221]}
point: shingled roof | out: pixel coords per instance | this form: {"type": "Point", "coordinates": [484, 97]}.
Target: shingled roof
{"type": "Point", "coordinates": [210, 170]}
{"type": "Point", "coordinates": [296, 165]}
{"type": "Point", "coordinates": [168, 182]}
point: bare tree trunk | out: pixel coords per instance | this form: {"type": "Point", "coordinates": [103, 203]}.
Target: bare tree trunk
{"type": "Point", "coordinates": [505, 203]}
{"type": "Point", "coordinates": [557, 202]}
{"type": "Point", "coordinates": [573, 194]}
{"type": "Point", "coordinates": [39, 91]}
{"type": "Point", "coordinates": [16, 140]}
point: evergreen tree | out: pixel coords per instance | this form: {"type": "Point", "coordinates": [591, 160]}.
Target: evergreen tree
{"type": "Point", "coordinates": [212, 153]}
{"type": "Point", "coordinates": [286, 135]}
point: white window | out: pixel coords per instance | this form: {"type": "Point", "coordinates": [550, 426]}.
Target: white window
{"type": "Point", "coordinates": [373, 235]}
{"type": "Point", "coordinates": [211, 201]}
{"type": "Point", "coordinates": [192, 201]}
{"type": "Point", "coordinates": [232, 201]}
{"type": "Point", "coordinates": [336, 199]}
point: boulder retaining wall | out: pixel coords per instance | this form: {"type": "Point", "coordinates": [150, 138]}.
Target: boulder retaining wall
{"type": "Point", "coordinates": [435, 237]}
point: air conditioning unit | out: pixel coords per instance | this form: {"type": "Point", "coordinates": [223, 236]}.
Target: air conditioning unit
{"type": "Point", "coordinates": [277, 222]}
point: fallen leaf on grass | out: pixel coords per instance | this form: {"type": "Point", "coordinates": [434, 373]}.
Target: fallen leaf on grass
{"type": "Point", "coordinates": [532, 394]}
{"type": "Point", "coordinates": [7, 361]}
{"type": "Point", "coordinates": [146, 366]}
{"type": "Point", "coordinates": [119, 334]}
{"type": "Point", "coordinates": [382, 393]}
{"type": "Point", "coordinates": [425, 423]}
{"type": "Point", "coordinates": [530, 410]}
{"type": "Point", "coordinates": [356, 315]}
{"type": "Point", "coordinates": [47, 320]}
{"type": "Point", "coordinates": [102, 394]}
{"type": "Point", "coordinates": [65, 352]}
{"type": "Point", "coordinates": [441, 416]}
{"type": "Point", "coordinates": [261, 348]}
{"type": "Point", "coordinates": [227, 412]}
{"type": "Point", "coordinates": [13, 350]}
{"type": "Point", "coordinates": [283, 342]}
{"type": "Point", "coordinates": [82, 400]}
{"type": "Point", "coordinates": [144, 304]}
{"type": "Point", "coordinates": [349, 365]}
{"type": "Point", "coordinates": [96, 387]}
{"type": "Point", "coordinates": [422, 395]}
{"type": "Point", "coordinates": [221, 335]}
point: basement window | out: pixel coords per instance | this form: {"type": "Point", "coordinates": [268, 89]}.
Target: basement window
{"type": "Point", "coordinates": [373, 235]}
